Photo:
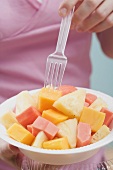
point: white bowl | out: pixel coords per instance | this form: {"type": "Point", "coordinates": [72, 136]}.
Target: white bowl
{"type": "Point", "coordinates": [56, 157]}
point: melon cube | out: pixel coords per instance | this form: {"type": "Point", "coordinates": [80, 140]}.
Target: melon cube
{"type": "Point", "coordinates": [90, 98]}
{"type": "Point", "coordinates": [54, 116]}
{"type": "Point", "coordinates": [83, 134]}
{"type": "Point", "coordinates": [92, 117]}
{"type": "Point", "coordinates": [28, 116]}
{"type": "Point", "coordinates": [109, 116]}
{"type": "Point", "coordinates": [29, 128]}
{"type": "Point", "coordinates": [20, 134]}
{"type": "Point", "coordinates": [39, 125]}
{"type": "Point", "coordinates": [47, 97]}
{"type": "Point", "coordinates": [60, 143]}
{"type": "Point", "coordinates": [51, 130]}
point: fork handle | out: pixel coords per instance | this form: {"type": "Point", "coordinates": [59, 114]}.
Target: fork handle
{"type": "Point", "coordinates": [63, 33]}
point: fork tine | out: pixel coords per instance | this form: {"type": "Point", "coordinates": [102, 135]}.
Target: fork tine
{"type": "Point", "coordinates": [61, 73]}
{"type": "Point", "coordinates": [47, 72]}
{"type": "Point", "coordinates": [56, 74]}
{"type": "Point", "coordinates": [51, 75]}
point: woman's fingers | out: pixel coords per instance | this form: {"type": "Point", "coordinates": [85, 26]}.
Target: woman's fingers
{"type": "Point", "coordinates": [98, 16]}
{"type": "Point", "coordinates": [66, 6]}
{"type": "Point", "coordinates": [107, 23]}
{"type": "Point", "coordinates": [11, 155]}
{"type": "Point", "coordinates": [84, 11]}
{"type": "Point", "coordinates": [89, 15]}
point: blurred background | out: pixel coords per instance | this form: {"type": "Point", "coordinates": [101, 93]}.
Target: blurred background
{"type": "Point", "coordinates": [102, 69]}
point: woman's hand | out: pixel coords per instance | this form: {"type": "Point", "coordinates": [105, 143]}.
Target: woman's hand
{"type": "Point", "coordinates": [89, 15]}
{"type": "Point", "coordinates": [11, 155]}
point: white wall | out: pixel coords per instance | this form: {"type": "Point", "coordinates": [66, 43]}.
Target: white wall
{"type": "Point", "coordinates": [102, 69]}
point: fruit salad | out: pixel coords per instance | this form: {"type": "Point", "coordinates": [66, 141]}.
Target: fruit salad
{"type": "Point", "coordinates": [61, 118]}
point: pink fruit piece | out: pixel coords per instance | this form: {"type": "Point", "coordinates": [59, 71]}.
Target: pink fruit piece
{"type": "Point", "coordinates": [28, 116]}
{"type": "Point", "coordinates": [39, 125]}
{"type": "Point", "coordinates": [90, 98]}
{"type": "Point", "coordinates": [109, 116]}
{"type": "Point", "coordinates": [51, 130]}
{"type": "Point", "coordinates": [83, 134]}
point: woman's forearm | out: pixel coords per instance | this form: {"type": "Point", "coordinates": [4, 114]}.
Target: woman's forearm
{"type": "Point", "coordinates": [106, 41]}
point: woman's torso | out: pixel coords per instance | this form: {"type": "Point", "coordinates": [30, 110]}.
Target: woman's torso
{"type": "Point", "coordinates": [28, 34]}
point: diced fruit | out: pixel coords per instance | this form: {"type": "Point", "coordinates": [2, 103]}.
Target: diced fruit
{"type": "Point", "coordinates": [60, 143]}
{"type": "Point", "coordinates": [92, 117]}
{"type": "Point", "coordinates": [54, 116]}
{"type": "Point", "coordinates": [35, 96]}
{"type": "Point", "coordinates": [68, 129]}
{"type": "Point", "coordinates": [47, 97]}
{"type": "Point", "coordinates": [90, 98]}
{"type": "Point", "coordinates": [109, 116]}
{"type": "Point", "coordinates": [29, 128]}
{"type": "Point", "coordinates": [23, 101]}
{"type": "Point", "coordinates": [35, 131]}
{"type": "Point", "coordinates": [71, 104]}
{"type": "Point", "coordinates": [100, 134]}
{"type": "Point", "coordinates": [111, 125]}
{"type": "Point", "coordinates": [8, 119]}
{"type": "Point", "coordinates": [51, 130]}
{"type": "Point", "coordinates": [65, 89]}
{"type": "Point", "coordinates": [28, 116]}
{"type": "Point", "coordinates": [86, 104]}
{"type": "Point", "coordinates": [83, 134]}
{"type": "Point", "coordinates": [20, 134]}
{"type": "Point", "coordinates": [39, 124]}
{"type": "Point", "coordinates": [98, 104]}
{"type": "Point", "coordinates": [40, 138]}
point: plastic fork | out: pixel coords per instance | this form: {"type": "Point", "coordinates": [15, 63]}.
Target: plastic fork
{"type": "Point", "coordinates": [56, 62]}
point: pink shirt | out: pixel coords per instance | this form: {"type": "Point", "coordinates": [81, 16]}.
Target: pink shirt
{"type": "Point", "coordinates": [28, 34]}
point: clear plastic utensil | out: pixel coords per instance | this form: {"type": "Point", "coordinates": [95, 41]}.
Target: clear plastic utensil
{"type": "Point", "coordinates": [56, 62]}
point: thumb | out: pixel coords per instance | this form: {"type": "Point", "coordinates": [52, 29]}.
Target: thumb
{"type": "Point", "coordinates": [66, 6]}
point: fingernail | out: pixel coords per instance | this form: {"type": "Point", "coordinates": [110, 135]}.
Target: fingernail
{"type": "Point", "coordinates": [63, 12]}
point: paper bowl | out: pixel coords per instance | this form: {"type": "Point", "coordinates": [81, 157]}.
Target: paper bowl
{"type": "Point", "coordinates": [56, 157]}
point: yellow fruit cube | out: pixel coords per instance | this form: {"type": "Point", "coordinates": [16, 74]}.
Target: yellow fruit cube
{"type": "Point", "coordinates": [46, 98]}
{"type": "Point", "coordinates": [54, 116]}
{"type": "Point", "coordinates": [20, 134]}
{"type": "Point", "coordinates": [60, 143]}
{"type": "Point", "coordinates": [93, 117]}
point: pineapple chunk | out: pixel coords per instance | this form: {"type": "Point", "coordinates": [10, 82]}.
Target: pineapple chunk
{"type": "Point", "coordinates": [8, 119]}
{"type": "Point", "coordinates": [24, 100]}
{"type": "Point", "coordinates": [40, 138]}
{"type": "Point", "coordinates": [100, 134]}
{"type": "Point", "coordinates": [71, 104]}
{"type": "Point", "coordinates": [98, 104]}
{"type": "Point", "coordinates": [68, 129]}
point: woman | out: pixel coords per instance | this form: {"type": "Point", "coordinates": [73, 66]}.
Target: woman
{"type": "Point", "coordinates": [28, 34]}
